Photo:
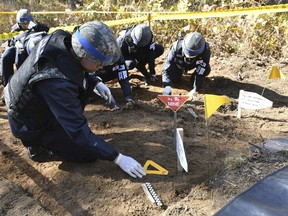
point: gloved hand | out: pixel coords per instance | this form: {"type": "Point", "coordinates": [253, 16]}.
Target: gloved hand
{"type": "Point", "coordinates": [130, 166]}
{"type": "Point", "coordinates": [167, 90]}
{"type": "Point", "coordinates": [104, 91]}
{"type": "Point", "coordinates": [153, 78]}
{"type": "Point", "coordinates": [192, 94]}
{"type": "Point", "coordinates": [113, 105]}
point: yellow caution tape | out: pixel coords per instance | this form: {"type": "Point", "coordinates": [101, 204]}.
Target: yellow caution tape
{"type": "Point", "coordinates": [9, 35]}
{"type": "Point", "coordinates": [78, 12]}
{"type": "Point", "coordinates": [238, 11]}
{"type": "Point", "coordinates": [220, 13]}
{"type": "Point", "coordinates": [161, 15]}
{"type": "Point", "coordinates": [66, 28]}
{"type": "Point", "coordinates": [6, 36]}
{"type": "Point", "coordinates": [126, 21]}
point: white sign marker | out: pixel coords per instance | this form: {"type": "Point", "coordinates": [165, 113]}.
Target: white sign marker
{"type": "Point", "coordinates": [252, 100]}
{"type": "Point", "coordinates": [180, 149]}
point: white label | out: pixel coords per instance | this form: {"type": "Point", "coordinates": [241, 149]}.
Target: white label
{"type": "Point", "coordinates": [180, 151]}
{"type": "Point", "coordinates": [252, 100]}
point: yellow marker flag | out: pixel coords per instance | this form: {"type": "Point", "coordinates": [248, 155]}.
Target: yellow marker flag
{"type": "Point", "coordinates": [276, 73]}
{"type": "Point", "coordinates": [213, 102]}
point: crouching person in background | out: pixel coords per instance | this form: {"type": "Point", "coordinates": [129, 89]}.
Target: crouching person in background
{"type": "Point", "coordinates": [139, 49]}
{"type": "Point", "coordinates": [13, 53]}
{"type": "Point", "coordinates": [190, 52]}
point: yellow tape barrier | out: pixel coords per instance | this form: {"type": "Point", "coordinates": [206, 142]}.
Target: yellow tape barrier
{"type": "Point", "coordinates": [240, 11]}
{"type": "Point", "coordinates": [7, 36]}
{"type": "Point", "coordinates": [125, 21]}
{"type": "Point", "coordinates": [220, 13]}
{"type": "Point", "coordinates": [161, 16]}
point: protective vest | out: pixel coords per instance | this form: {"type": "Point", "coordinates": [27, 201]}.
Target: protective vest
{"type": "Point", "coordinates": [32, 28]}
{"type": "Point", "coordinates": [181, 61]}
{"type": "Point", "coordinates": [178, 57]}
{"type": "Point", "coordinates": [22, 39]}
{"type": "Point", "coordinates": [51, 51]}
{"type": "Point", "coordinates": [132, 48]}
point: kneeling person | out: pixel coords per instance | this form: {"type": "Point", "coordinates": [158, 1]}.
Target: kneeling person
{"type": "Point", "coordinates": [45, 99]}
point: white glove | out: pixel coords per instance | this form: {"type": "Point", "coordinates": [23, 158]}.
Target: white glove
{"type": "Point", "coordinates": [167, 90]}
{"type": "Point", "coordinates": [130, 166]}
{"type": "Point", "coordinates": [113, 105]}
{"type": "Point", "coordinates": [104, 91]}
{"type": "Point", "coordinates": [192, 94]}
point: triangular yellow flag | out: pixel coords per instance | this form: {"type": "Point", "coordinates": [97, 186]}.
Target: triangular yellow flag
{"type": "Point", "coordinates": [213, 102]}
{"type": "Point", "coordinates": [159, 169]}
{"type": "Point", "coordinates": [276, 73]}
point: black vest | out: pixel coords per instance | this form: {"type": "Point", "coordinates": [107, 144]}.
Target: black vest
{"type": "Point", "coordinates": [51, 50]}
{"type": "Point", "coordinates": [188, 64]}
{"type": "Point", "coordinates": [132, 48]}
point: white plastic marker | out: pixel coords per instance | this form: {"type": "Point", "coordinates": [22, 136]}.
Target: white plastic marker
{"type": "Point", "coordinates": [175, 102]}
{"type": "Point", "coordinates": [252, 100]}
{"type": "Point", "coordinates": [182, 161]}
{"type": "Point", "coordinates": [151, 194]}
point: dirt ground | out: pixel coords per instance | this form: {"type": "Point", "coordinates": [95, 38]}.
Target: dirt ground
{"type": "Point", "coordinates": [220, 162]}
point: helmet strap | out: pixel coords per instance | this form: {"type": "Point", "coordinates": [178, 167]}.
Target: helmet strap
{"type": "Point", "coordinates": [91, 49]}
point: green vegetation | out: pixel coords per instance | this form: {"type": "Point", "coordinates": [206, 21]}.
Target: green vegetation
{"type": "Point", "coordinates": [259, 34]}
{"type": "Point", "coordinates": [235, 162]}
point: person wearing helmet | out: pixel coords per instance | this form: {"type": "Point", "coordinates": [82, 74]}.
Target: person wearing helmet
{"type": "Point", "coordinates": [190, 52]}
{"type": "Point", "coordinates": [46, 98]}
{"type": "Point", "coordinates": [25, 22]}
{"type": "Point", "coordinates": [14, 53]}
{"type": "Point", "coordinates": [139, 49]}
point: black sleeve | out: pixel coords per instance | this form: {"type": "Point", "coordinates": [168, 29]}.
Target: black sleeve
{"type": "Point", "coordinates": [40, 27]}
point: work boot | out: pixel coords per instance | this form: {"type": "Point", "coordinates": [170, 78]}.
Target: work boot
{"type": "Point", "coordinates": [39, 154]}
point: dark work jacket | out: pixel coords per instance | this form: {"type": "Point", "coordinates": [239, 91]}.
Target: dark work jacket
{"type": "Point", "coordinates": [48, 93]}
{"type": "Point", "coordinates": [32, 27]}
{"type": "Point", "coordinates": [176, 57]}
{"type": "Point", "coordinates": [144, 55]}
{"type": "Point", "coordinates": [176, 62]}
{"type": "Point", "coordinates": [35, 26]}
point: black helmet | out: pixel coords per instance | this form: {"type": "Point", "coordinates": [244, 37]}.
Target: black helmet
{"type": "Point", "coordinates": [24, 16]}
{"type": "Point", "coordinates": [193, 44]}
{"type": "Point", "coordinates": [141, 35]}
{"type": "Point", "coordinates": [96, 42]}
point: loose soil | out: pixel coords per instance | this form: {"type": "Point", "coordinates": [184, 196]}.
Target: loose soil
{"type": "Point", "coordinates": [221, 164]}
